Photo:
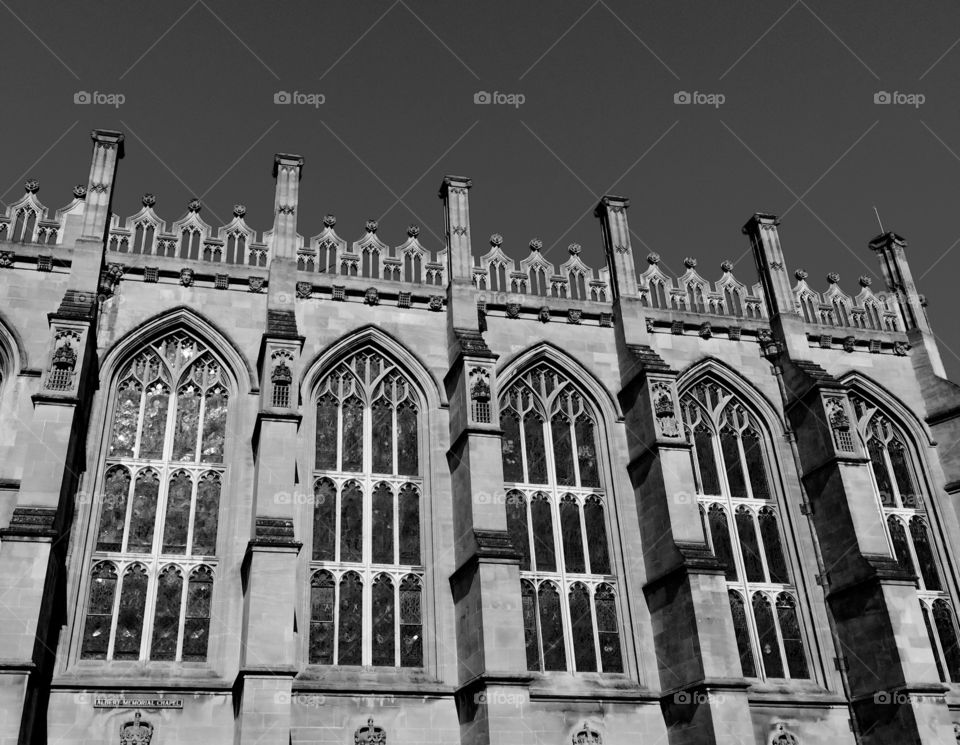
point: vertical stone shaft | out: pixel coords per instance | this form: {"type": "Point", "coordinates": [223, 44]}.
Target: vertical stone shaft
{"type": "Point", "coordinates": [873, 601]}
{"type": "Point", "coordinates": [696, 645]}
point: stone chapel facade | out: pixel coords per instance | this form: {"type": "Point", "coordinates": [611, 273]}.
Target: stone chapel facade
{"type": "Point", "coordinates": [268, 489]}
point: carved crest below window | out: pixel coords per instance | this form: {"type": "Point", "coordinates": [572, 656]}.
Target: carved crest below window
{"type": "Point", "coordinates": [370, 734]}
{"type": "Point", "coordinates": [136, 732]}
{"type": "Point", "coordinates": [586, 735]}
{"type": "Point", "coordinates": [781, 736]}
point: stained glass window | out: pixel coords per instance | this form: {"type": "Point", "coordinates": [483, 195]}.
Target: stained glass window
{"type": "Point", "coordinates": [895, 465]}
{"type": "Point", "coordinates": [742, 522]}
{"type": "Point", "coordinates": [159, 505]}
{"type": "Point", "coordinates": [366, 589]}
{"type": "Point", "coordinates": [557, 523]}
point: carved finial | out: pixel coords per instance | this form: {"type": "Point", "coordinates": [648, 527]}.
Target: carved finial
{"type": "Point", "coordinates": [727, 266]}
{"type": "Point", "coordinates": [690, 263]}
{"type": "Point", "coordinates": [239, 210]}
{"type": "Point", "coordinates": [496, 240]}
{"type": "Point", "coordinates": [372, 226]}
{"type": "Point", "coordinates": [865, 281]}
{"type": "Point", "coordinates": [413, 230]}
{"type": "Point", "coordinates": [574, 249]}
{"type": "Point", "coordinates": [194, 205]}
{"type": "Point", "coordinates": [653, 258]}
{"type": "Point", "coordinates": [80, 191]}
{"type": "Point", "coordinates": [329, 221]}
{"type": "Point", "coordinates": [31, 185]}
{"type": "Point", "coordinates": [800, 274]}
{"type": "Point", "coordinates": [148, 200]}
{"type": "Point", "coordinates": [536, 244]}
{"type": "Point", "coordinates": [833, 278]}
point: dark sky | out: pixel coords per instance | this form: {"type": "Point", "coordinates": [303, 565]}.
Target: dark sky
{"type": "Point", "coordinates": [798, 134]}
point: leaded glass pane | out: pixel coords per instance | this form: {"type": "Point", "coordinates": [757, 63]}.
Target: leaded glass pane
{"type": "Point", "coordinates": [933, 641]}
{"type": "Point", "coordinates": [572, 537]}
{"type": "Point", "coordinates": [196, 626]}
{"type": "Point", "coordinates": [731, 462]}
{"type": "Point", "coordinates": [551, 626]}
{"type": "Point", "coordinates": [186, 424]}
{"type": "Point", "coordinates": [352, 429]}
{"type": "Point", "coordinates": [528, 596]}
{"type": "Point", "coordinates": [902, 473]}
{"type": "Point", "coordinates": [898, 536]}
{"type": "Point", "coordinates": [544, 550]}
{"type": "Point", "coordinates": [587, 452]}
{"type": "Point", "coordinates": [921, 545]}
{"type": "Point", "coordinates": [326, 456]}
{"type": "Point", "coordinates": [753, 564]}
{"type": "Point", "coordinates": [382, 434]}
{"type": "Point", "coordinates": [772, 547]}
{"type": "Point", "coordinates": [384, 642]}
{"type": "Point", "coordinates": [510, 448]}
{"type": "Point", "coordinates": [562, 452]}
{"type": "Point", "coordinates": [411, 622]}
{"type": "Point", "coordinates": [382, 533]}
{"type": "Point", "coordinates": [720, 534]}
{"type": "Point", "coordinates": [875, 449]}
{"type": "Point", "coordinates": [767, 632]}
{"type": "Point", "coordinates": [792, 643]}
{"type": "Point", "coordinates": [756, 470]}
{"type": "Point", "coordinates": [351, 522]}
{"type": "Point", "coordinates": [96, 629]}
{"type": "Point", "coordinates": [126, 415]}
{"type": "Point", "coordinates": [409, 520]}
{"type": "Point", "coordinates": [607, 629]}
{"type": "Point", "coordinates": [143, 516]}
{"type": "Point", "coordinates": [947, 631]}
{"type": "Point", "coordinates": [738, 612]}
{"type": "Point", "coordinates": [408, 448]}
{"type": "Point", "coordinates": [166, 622]}
{"type": "Point", "coordinates": [517, 527]}
{"type": "Point", "coordinates": [322, 602]}
{"type": "Point", "coordinates": [113, 513]}
{"type": "Point", "coordinates": [581, 620]}
{"type": "Point", "coordinates": [349, 644]}
{"type": "Point", "coordinates": [154, 421]}
{"type": "Point", "coordinates": [324, 520]}
{"type": "Point", "coordinates": [703, 445]}
{"type": "Point", "coordinates": [536, 454]}
{"type": "Point", "coordinates": [596, 536]}
{"type": "Point", "coordinates": [205, 520]}
{"type": "Point", "coordinates": [177, 518]}
{"type": "Point", "coordinates": [133, 601]}
{"type": "Point", "coordinates": [214, 426]}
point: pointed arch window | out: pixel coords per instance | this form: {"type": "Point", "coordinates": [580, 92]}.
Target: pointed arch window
{"type": "Point", "coordinates": [741, 518]}
{"type": "Point", "coordinates": [896, 470]}
{"type": "Point", "coordinates": [556, 517]}
{"type": "Point", "coordinates": [367, 569]}
{"type": "Point", "coordinates": [154, 554]}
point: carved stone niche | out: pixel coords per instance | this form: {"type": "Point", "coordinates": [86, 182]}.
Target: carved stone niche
{"type": "Point", "coordinates": [664, 408]}
{"type": "Point", "coordinates": [62, 371]}
{"type": "Point", "coordinates": [370, 734]}
{"type": "Point", "coordinates": [839, 423]}
{"type": "Point", "coordinates": [281, 379]}
{"type": "Point", "coordinates": [480, 408]}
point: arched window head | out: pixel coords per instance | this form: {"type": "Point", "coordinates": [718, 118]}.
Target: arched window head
{"type": "Point", "coordinates": [557, 519]}
{"type": "Point", "coordinates": [155, 546]}
{"type": "Point", "coordinates": [366, 591]}
{"type": "Point", "coordinates": [732, 463]}
{"type": "Point", "coordinates": [897, 481]}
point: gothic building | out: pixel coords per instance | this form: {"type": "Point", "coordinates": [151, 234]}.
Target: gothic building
{"type": "Point", "coordinates": [262, 488]}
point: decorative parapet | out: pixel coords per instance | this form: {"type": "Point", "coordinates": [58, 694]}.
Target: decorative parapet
{"type": "Point", "coordinates": [694, 294]}
{"type": "Point", "coordinates": [835, 308]}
